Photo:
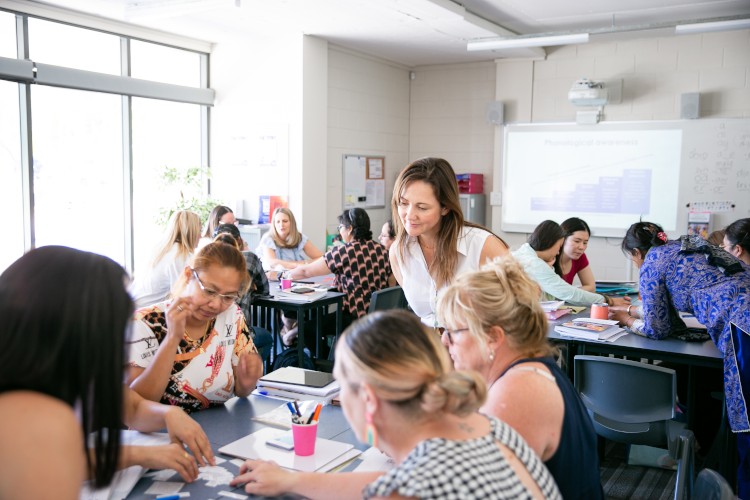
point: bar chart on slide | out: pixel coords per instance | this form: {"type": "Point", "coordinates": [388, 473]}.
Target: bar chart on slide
{"type": "Point", "coordinates": [609, 178]}
{"type": "Point", "coordinates": [627, 193]}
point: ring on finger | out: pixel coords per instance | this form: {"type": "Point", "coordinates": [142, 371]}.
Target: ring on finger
{"type": "Point", "coordinates": [186, 454]}
{"type": "Point", "coordinates": [179, 308]}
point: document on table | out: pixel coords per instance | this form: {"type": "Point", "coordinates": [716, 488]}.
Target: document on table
{"type": "Point", "coordinates": [125, 479]}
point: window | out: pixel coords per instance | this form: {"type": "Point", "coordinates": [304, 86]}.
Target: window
{"type": "Point", "coordinates": [11, 187]}
{"type": "Point", "coordinates": [151, 61]}
{"type": "Point", "coordinates": [97, 150]}
{"type": "Point", "coordinates": [64, 45]}
{"type": "Point", "coordinates": [165, 134]}
{"type": "Point", "coordinates": [7, 34]}
{"type": "Point", "coordinates": [78, 175]}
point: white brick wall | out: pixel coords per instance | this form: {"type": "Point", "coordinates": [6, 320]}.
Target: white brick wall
{"type": "Point", "coordinates": [368, 114]}
{"type": "Point", "coordinates": [655, 72]}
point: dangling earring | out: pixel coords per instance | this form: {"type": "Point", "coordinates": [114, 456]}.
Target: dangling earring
{"type": "Point", "coordinates": [370, 432]}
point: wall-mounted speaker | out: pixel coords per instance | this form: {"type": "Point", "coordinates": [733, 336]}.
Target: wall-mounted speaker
{"type": "Point", "coordinates": [690, 105]}
{"type": "Point", "coordinates": [495, 113]}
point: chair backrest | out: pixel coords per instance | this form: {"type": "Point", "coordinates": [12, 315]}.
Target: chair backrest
{"type": "Point", "coordinates": [628, 401]}
{"type": "Point", "coordinates": [710, 485]}
{"type": "Point", "coordinates": [388, 298]}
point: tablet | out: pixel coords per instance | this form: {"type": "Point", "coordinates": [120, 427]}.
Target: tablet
{"type": "Point", "coordinates": [298, 376]}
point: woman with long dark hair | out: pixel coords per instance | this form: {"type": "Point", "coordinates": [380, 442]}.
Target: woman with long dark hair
{"type": "Point", "coordinates": [360, 265]}
{"type": "Point", "coordinates": [537, 256]}
{"type": "Point", "coordinates": [693, 276]}
{"type": "Point", "coordinates": [571, 261]}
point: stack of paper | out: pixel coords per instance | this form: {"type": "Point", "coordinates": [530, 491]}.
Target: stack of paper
{"type": "Point", "coordinates": [291, 382]}
{"type": "Point", "coordinates": [591, 329]}
{"type": "Point", "coordinates": [301, 293]}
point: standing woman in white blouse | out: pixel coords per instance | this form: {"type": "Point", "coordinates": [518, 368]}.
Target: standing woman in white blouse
{"type": "Point", "coordinates": [433, 241]}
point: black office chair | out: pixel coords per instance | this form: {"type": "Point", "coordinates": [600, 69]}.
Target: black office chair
{"type": "Point", "coordinates": [388, 298]}
{"type": "Point", "coordinates": [632, 402]}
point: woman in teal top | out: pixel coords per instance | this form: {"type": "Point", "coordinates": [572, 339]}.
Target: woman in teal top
{"type": "Point", "coordinates": [537, 257]}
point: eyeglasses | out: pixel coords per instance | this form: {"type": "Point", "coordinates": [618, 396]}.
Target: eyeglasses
{"type": "Point", "coordinates": [212, 294]}
{"type": "Point", "coordinates": [342, 226]}
{"type": "Point", "coordinates": [451, 333]}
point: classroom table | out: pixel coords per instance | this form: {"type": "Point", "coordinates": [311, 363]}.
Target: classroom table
{"type": "Point", "coordinates": [232, 421]}
{"type": "Point", "coordinates": [264, 315]}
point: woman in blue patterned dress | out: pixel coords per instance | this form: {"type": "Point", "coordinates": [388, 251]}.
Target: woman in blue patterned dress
{"type": "Point", "coordinates": [399, 392]}
{"type": "Point", "coordinates": [693, 276]}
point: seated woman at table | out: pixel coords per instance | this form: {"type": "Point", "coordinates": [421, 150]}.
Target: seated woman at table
{"type": "Point", "coordinates": [433, 241]}
{"type": "Point", "coordinates": [495, 326]}
{"type": "Point", "coordinates": [283, 246]}
{"type": "Point", "coordinates": [737, 239]}
{"type": "Point", "coordinates": [65, 313]}
{"type": "Point", "coordinates": [195, 351]}
{"type": "Point", "coordinates": [220, 214]}
{"type": "Point", "coordinates": [400, 393]}
{"type": "Point", "coordinates": [172, 255]}
{"type": "Point", "coordinates": [693, 276]}
{"type": "Point", "coordinates": [387, 234]}
{"type": "Point", "coordinates": [544, 244]}
{"type": "Point", "coordinates": [262, 338]}
{"type": "Point", "coordinates": [571, 261]}
{"type": "Point", "coordinates": [360, 265]}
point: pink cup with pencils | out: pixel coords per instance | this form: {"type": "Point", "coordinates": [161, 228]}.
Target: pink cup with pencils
{"type": "Point", "coordinates": [304, 436]}
{"type": "Point", "coordinates": [304, 429]}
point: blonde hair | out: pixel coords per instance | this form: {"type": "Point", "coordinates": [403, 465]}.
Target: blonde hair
{"type": "Point", "coordinates": [294, 238]}
{"type": "Point", "coordinates": [406, 366]}
{"type": "Point", "coordinates": [218, 254]}
{"type": "Point", "coordinates": [499, 294]}
{"type": "Point", "coordinates": [183, 230]}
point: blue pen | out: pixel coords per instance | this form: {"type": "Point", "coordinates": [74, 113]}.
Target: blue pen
{"type": "Point", "coordinates": [291, 409]}
{"type": "Point", "coordinates": [169, 497]}
{"type": "Point", "coordinates": [263, 393]}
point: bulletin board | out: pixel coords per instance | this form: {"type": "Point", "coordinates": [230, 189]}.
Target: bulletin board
{"type": "Point", "coordinates": [364, 181]}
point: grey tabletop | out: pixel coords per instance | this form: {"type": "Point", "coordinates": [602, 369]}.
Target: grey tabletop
{"type": "Point", "coordinates": [234, 420]}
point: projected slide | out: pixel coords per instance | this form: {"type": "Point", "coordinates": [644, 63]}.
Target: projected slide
{"type": "Point", "coordinates": [610, 178]}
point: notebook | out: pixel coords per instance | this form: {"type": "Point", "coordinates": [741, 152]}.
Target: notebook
{"type": "Point", "coordinates": [255, 446]}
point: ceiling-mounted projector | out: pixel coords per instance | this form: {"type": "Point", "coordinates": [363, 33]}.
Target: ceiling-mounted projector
{"type": "Point", "coordinates": [584, 92]}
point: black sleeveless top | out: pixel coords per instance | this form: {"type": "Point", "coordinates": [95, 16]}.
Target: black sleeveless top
{"type": "Point", "coordinates": [575, 464]}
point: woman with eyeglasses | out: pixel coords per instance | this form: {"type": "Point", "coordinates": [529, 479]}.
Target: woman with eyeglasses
{"type": "Point", "coordinates": [195, 350]}
{"type": "Point", "coordinates": [400, 393]}
{"type": "Point", "coordinates": [360, 265]}
{"type": "Point", "coordinates": [737, 239]}
{"type": "Point", "coordinates": [495, 326]}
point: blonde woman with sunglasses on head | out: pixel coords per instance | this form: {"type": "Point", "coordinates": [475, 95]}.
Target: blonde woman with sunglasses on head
{"type": "Point", "coordinates": [195, 350]}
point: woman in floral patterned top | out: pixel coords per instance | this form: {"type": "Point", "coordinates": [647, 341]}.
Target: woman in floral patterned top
{"type": "Point", "coordinates": [693, 276]}
{"type": "Point", "coordinates": [195, 350]}
{"type": "Point", "coordinates": [360, 265]}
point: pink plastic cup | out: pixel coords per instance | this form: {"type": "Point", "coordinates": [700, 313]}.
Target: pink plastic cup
{"type": "Point", "coordinates": [600, 311]}
{"type": "Point", "coordinates": [304, 438]}
{"type": "Point", "coordinates": [286, 283]}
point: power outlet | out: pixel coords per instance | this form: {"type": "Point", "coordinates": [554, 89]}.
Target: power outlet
{"type": "Point", "coordinates": [496, 199]}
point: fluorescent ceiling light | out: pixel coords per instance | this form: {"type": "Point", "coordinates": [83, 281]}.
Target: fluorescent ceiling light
{"type": "Point", "coordinates": [527, 41]}
{"type": "Point", "coordinates": [732, 24]}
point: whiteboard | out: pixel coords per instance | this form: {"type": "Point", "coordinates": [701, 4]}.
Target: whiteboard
{"type": "Point", "coordinates": [364, 181]}
{"type": "Point", "coordinates": [613, 174]}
